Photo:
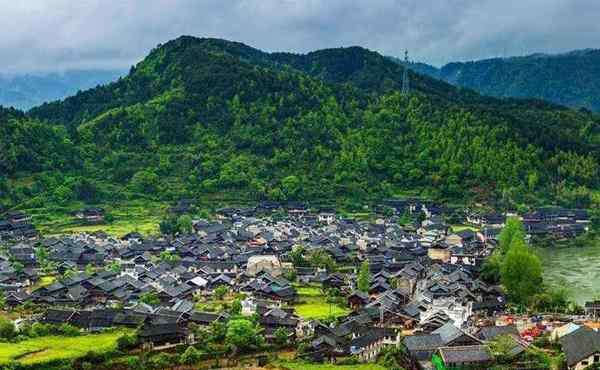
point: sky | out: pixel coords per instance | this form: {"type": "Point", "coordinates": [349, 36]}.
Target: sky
{"type": "Point", "coordinates": [58, 35]}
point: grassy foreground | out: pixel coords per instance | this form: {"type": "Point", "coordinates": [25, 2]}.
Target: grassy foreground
{"type": "Point", "coordinates": [51, 348]}
{"type": "Point", "coordinates": [301, 365]}
{"type": "Point", "coordinates": [313, 304]}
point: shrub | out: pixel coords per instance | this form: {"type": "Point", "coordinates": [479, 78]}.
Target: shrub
{"type": "Point", "coordinates": [7, 329]}
{"type": "Point", "coordinates": [127, 342]}
{"type": "Point", "coordinates": [191, 356]}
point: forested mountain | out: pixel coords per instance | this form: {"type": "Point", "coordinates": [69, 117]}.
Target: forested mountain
{"type": "Point", "coordinates": [24, 91]}
{"type": "Point", "coordinates": [202, 116]}
{"type": "Point", "coordinates": [571, 79]}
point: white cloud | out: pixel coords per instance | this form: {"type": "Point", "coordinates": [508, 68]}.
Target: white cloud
{"type": "Point", "coordinates": [62, 34]}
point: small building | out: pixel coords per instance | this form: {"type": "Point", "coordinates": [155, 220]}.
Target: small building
{"type": "Point", "coordinates": [91, 215]}
{"type": "Point", "coordinates": [269, 264]}
{"type": "Point", "coordinates": [582, 348]}
{"type": "Point", "coordinates": [592, 310]}
{"type": "Point", "coordinates": [466, 356]}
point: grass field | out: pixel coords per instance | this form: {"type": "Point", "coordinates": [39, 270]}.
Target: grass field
{"type": "Point", "coordinates": [142, 216]}
{"type": "Point", "coordinates": [51, 348]}
{"type": "Point", "coordinates": [458, 228]}
{"type": "Point", "coordinates": [313, 304]}
{"type": "Point", "coordinates": [300, 365]}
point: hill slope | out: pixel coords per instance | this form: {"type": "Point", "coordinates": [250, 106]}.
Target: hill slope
{"type": "Point", "coordinates": [199, 116]}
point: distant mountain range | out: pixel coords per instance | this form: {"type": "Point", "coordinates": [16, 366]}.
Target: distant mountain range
{"type": "Point", "coordinates": [28, 90]}
{"type": "Point", "coordinates": [571, 79]}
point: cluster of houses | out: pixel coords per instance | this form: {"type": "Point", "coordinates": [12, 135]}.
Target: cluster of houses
{"type": "Point", "coordinates": [424, 293]}
{"type": "Point", "coordinates": [17, 226]}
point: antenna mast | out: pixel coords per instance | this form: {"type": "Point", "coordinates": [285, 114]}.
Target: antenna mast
{"type": "Point", "coordinates": [405, 81]}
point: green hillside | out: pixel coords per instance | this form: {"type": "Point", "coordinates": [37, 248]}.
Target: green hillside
{"type": "Point", "coordinates": [204, 116]}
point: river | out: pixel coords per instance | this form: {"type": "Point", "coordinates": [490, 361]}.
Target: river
{"type": "Point", "coordinates": [576, 267]}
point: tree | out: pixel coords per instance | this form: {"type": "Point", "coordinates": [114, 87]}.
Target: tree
{"type": "Point", "coordinates": [168, 226]}
{"type": "Point", "coordinates": [7, 329]}
{"type": "Point", "coordinates": [291, 187]}
{"type": "Point", "coordinates": [150, 298]}
{"type": "Point", "coordinates": [281, 336]}
{"type": "Point", "coordinates": [69, 273]}
{"type": "Point", "coordinates": [220, 292]}
{"type": "Point", "coordinates": [114, 266]}
{"type": "Point", "coordinates": [184, 224]}
{"type": "Point", "coordinates": [18, 267]}
{"type": "Point", "coordinates": [236, 307]}
{"type": "Point", "coordinates": [218, 331]}
{"type": "Point", "coordinates": [169, 257]}
{"type": "Point", "coordinates": [521, 273]}
{"type": "Point", "coordinates": [89, 269]}
{"type": "Point", "coordinates": [243, 334]}
{"type": "Point", "coordinates": [161, 361]}
{"type": "Point", "coordinates": [127, 342]}
{"type": "Point", "coordinates": [511, 231]}
{"type": "Point", "coordinates": [363, 281]}
{"type": "Point", "coordinates": [2, 301]}
{"type": "Point", "coordinates": [190, 357]}
{"type": "Point", "coordinates": [297, 256]}
{"type": "Point", "coordinates": [501, 348]}
{"type": "Point", "coordinates": [490, 271]}
{"type": "Point", "coordinates": [145, 182]}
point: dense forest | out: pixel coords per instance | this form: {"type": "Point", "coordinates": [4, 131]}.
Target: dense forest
{"type": "Point", "coordinates": [206, 116]}
{"type": "Point", "coordinates": [571, 79]}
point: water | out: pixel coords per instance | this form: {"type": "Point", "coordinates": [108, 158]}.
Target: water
{"type": "Point", "coordinates": [576, 268]}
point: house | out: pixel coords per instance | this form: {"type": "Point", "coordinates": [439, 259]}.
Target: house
{"type": "Point", "coordinates": [328, 346]}
{"type": "Point", "coordinates": [581, 348]}
{"type": "Point", "coordinates": [258, 264]}
{"type": "Point", "coordinates": [358, 299]}
{"type": "Point", "coordinates": [368, 345]}
{"type": "Point", "coordinates": [422, 346]}
{"type": "Point", "coordinates": [90, 215]}
{"type": "Point", "coordinates": [561, 331]}
{"type": "Point", "coordinates": [452, 336]}
{"type": "Point", "coordinates": [163, 334]}
{"type": "Point", "coordinates": [592, 309]}
{"type": "Point", "coordinates": [466, 356]}
{"type": "Point", "coordinates": [488, 333]}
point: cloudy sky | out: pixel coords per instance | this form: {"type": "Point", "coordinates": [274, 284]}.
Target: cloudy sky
{"type": "Point", "coordinates": [55, 35]}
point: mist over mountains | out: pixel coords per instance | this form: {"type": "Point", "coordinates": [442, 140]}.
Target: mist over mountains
{"type": "Point", "coordinates": [24, 91]}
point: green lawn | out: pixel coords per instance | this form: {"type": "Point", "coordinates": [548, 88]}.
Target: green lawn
{"type": "Point", "coordinates": [312, 304]}
{"type": "Point", "coordinates": [459, 228]}
{"type": "Point", "coordinates": [300, 365]}
{"type": "Point", "coordinates": [51, 348]}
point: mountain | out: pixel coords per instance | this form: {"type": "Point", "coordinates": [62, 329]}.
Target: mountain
{"type": "Point", "coordinates": [205, 117]}
{"type": "Point", "coordinates": [571, 79]}
{"type": "Point", "coordinates": [28, 90]}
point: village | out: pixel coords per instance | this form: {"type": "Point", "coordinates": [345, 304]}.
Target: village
{"type": "Point", "coordinates": [297, 272]}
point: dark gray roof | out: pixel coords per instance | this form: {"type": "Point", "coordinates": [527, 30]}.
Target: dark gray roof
{"type": "Point", "coordinates": [423, 342]}
{"type": "Point", "coordinates": [580, 344]}
{"type": "Point", "coordinates": [448, 332]}
{"type": "Point", "coordinates": [465, 354]}
{"type": "Point", "coordinates": [490, 332]}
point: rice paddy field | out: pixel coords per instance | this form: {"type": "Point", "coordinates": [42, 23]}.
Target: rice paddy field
{"type": "Point", "coordinates": [576, 268]}
{"type": "Point", "coordinates": [52, 348]}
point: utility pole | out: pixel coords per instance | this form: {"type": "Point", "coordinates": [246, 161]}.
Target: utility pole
{"type": "Point", "coordinates": [405, 81]}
